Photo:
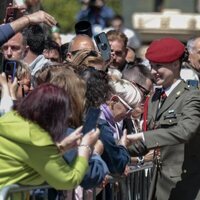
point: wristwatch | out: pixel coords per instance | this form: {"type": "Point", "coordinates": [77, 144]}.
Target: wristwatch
{"type": "Point", "coordinates": [140, 160]}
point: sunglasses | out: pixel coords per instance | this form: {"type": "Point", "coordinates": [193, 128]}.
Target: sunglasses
{"type": "Point", "coordinates": [129, 108]}
{"type": "Point", "coordinates": [74, 52]}
{"type": "Point", "coordinates": [144, 91]}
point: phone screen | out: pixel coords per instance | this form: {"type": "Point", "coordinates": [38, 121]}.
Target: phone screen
{"type": "Point", "coordinates": [91, 119]}
{"type": "Point", "coordinates": [10, 68]}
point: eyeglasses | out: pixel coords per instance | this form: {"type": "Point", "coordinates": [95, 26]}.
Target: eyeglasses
{"type": "Point", "coordinates": [129, 108]}
{"type": "Point", "coordinates": [22, 84]}
{"type": "Point", "coordinates": [144, 91]}
{"type": "Point", "coordinates": [74, 52]}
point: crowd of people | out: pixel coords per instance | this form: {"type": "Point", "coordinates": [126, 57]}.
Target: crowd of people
{"type": "Point", "coordinates": [150, 111]}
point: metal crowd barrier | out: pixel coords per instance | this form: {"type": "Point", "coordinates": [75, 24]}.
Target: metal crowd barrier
{"type": "Point", "coordinates": [135, 186]}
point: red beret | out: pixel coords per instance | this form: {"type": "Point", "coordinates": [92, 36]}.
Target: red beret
{"type": "Point", "coordinates": [165, 50]}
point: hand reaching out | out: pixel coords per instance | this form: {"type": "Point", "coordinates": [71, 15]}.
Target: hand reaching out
{"type": "Point", "coordinates": [98, 147]}
{"type": "Point", "coordinates": [149, 156]}
{"type": "Point", "coordinates": [6, 102]}
{"type": "Point", "coordinates": [3, 80]}
{"type": "Point", "coordinates": [123, 140]}
{"type": "Point", "coordinates": [13, 85]}
{"type": "Point", "coordinates": [127, 170]}
{"type": "Point", "coordinates": [91, 138]}
{"type": "Point", "coordinates": [42, 17]}
{"type": "Point", "coordinates": [105, 181]}
{"type": "Point", "coordinates": [34, 18]}
{"type": "Point", "coordinates": [71, 141]}
{"type": "Point", "coordinates": [4, 85]}
{"type": "Point", "coordinates": [133, 138]}
{"type": "Point", "coordinates": [87, 143]}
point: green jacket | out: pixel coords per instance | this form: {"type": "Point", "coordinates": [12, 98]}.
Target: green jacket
{"type": "Point", "coordinates": [28, 156]}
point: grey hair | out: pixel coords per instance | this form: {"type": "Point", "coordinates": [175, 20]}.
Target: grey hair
{"type": "Point", "coordinates": [190, 44]}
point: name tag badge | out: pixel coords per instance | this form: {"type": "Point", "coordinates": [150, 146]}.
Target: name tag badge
{"type": "Point", "coordinates": [171, 111]}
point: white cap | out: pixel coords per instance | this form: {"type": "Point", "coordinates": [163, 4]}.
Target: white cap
{"type": "Point", "coordinates": [127, 91]}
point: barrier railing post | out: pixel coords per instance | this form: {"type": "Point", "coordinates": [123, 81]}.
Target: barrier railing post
{"type": "Point", "coordinates": [4, 192]}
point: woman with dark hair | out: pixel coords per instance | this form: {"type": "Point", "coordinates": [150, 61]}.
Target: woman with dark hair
{"type": "Point", "coordinates": [32, 142]}
{"type": "Point", "coordinates": [98, 89]}
{"type": "Point", "coordinates": [113, 153]}
{"type": "Point", "coordinates": [97, 94]}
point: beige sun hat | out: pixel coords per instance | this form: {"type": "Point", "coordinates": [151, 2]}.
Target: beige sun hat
{"type": "Point", "coordinates": [127, 91]}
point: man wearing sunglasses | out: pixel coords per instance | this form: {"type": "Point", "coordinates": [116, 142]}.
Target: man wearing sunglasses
{"type": "Point", "coordinates": [79, 42]}
{"type": "Point", "coordinates": [173, 126]}
{"type": "Point", "coordinates": [140, 76]}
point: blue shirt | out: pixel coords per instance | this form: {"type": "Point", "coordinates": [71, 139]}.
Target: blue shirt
{"type": "Point", "coordinates": [6, 32]}
{"type": "Point", "coordinates": [115, 156]}
{"type": "Point", "coordinates": [101, 18]}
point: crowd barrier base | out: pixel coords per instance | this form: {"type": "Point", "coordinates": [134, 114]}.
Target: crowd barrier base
{"type": "Point", "coordinates": [135, 186]}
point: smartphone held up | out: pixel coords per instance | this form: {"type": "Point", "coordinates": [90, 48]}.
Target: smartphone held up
{"type": "Point", "coordinates": [91, 119]}
{"type": "Point", "coordinates": [103, 46]}
{"type": "Point", "coordinates": [10, 68]}
{"type": "Point", "coordinates": [12, 13]}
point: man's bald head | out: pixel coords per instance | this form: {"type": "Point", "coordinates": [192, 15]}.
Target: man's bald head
{"type": "Point", "coordinates": [81, 42]}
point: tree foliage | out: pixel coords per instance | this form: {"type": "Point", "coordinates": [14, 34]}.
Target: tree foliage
{"type": "Point", "coordinates": [65, 11]}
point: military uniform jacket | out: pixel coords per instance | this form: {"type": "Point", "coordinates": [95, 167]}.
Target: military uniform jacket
{"type": "Point", "coordinates": [175, 129]}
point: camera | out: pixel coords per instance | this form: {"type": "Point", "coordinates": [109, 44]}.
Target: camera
{"type": "Point", "coordinates": [10, 68]}
{"type": "Point", "coordinates": [103, 45]}
{"type": "Point", "coordinates": [12, 13]}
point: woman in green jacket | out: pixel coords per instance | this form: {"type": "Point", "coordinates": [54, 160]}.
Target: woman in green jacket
{"type": "Point", "coordinates": [31, 139]}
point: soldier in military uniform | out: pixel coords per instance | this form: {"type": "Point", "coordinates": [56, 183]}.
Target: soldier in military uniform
{"type": "Point", "coordinates": [173, 126]}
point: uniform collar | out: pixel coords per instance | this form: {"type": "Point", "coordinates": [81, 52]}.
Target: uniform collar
{"type": "Point", "coordinates": [171, 88]}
